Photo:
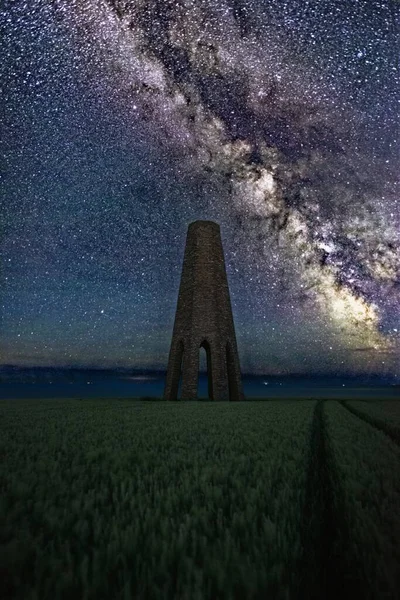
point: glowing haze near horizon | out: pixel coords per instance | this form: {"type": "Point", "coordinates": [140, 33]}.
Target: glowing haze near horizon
{"type": "Point", "coordinates": [122, 122]}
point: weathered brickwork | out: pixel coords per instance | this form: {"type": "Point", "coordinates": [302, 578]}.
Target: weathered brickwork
{"type": "Point", "coordinates": [204, 319]}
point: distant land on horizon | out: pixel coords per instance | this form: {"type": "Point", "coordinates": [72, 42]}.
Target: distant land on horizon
{"type": "Point", "coordinates": [10, 373]}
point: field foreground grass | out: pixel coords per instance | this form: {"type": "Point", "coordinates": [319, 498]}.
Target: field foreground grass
{"type": "Point", "coordinates": [121, 499]}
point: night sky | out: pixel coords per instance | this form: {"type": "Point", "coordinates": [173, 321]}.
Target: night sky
{"type": "Point", "coordinates": [123, 121]}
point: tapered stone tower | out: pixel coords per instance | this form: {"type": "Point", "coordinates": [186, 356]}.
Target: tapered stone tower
{"type": "Point", "coordinates": [204, 319]}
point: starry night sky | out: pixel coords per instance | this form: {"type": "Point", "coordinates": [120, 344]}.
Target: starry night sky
{"type": "Point", "coordinates": [123, 121]}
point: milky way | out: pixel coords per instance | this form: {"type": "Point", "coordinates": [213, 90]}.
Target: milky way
{"type": "Point", "coordinates": [127, 120]}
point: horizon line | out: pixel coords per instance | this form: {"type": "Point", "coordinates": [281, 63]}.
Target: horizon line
{"type": "Point", "coordinates": [164, 371]}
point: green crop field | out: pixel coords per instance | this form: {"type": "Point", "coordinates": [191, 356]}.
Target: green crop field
{"type": "Point", "coordinates": [129, 499]}
{"type": "Point", "coordinates": [366, 468]}
{"type": "Point", "coordinates": [385, 415]}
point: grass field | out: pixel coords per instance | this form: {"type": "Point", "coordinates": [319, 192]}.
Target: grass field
{"type": "Point", "coordinates": [121, 499]}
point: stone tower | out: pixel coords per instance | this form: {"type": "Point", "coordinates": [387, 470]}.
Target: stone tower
{"type": "Point", "coordinates": [204, 319]}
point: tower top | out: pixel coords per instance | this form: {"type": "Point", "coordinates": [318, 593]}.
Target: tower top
{"type": "Point", "coordinates": [201, 223]}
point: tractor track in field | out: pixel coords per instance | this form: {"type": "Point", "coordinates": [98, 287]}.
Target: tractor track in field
{"type": "Point", "coordinates": [392, 432]}
{"type": "Point", "coordinates": [324, 570]}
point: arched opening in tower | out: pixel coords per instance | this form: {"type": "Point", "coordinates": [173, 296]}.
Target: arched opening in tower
{"type": "Point", "coordinates": [205, 361]}
{"type": "Point", "coordinates": [176, 387]}
{"type": "Point", "coordinates": [230, 369]}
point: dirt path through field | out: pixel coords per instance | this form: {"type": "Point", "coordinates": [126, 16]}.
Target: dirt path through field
{"type": "Point", "coordinates": [392, 432]}
{"type": "Point", "coordinates": [323, 570]}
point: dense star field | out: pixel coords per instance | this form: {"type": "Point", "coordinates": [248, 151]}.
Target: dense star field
{"type": "Point", "coordinates": [122, 122]}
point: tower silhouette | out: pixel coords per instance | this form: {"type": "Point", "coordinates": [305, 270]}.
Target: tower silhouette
{"type": "Point", "coordinates": [204, 319]}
